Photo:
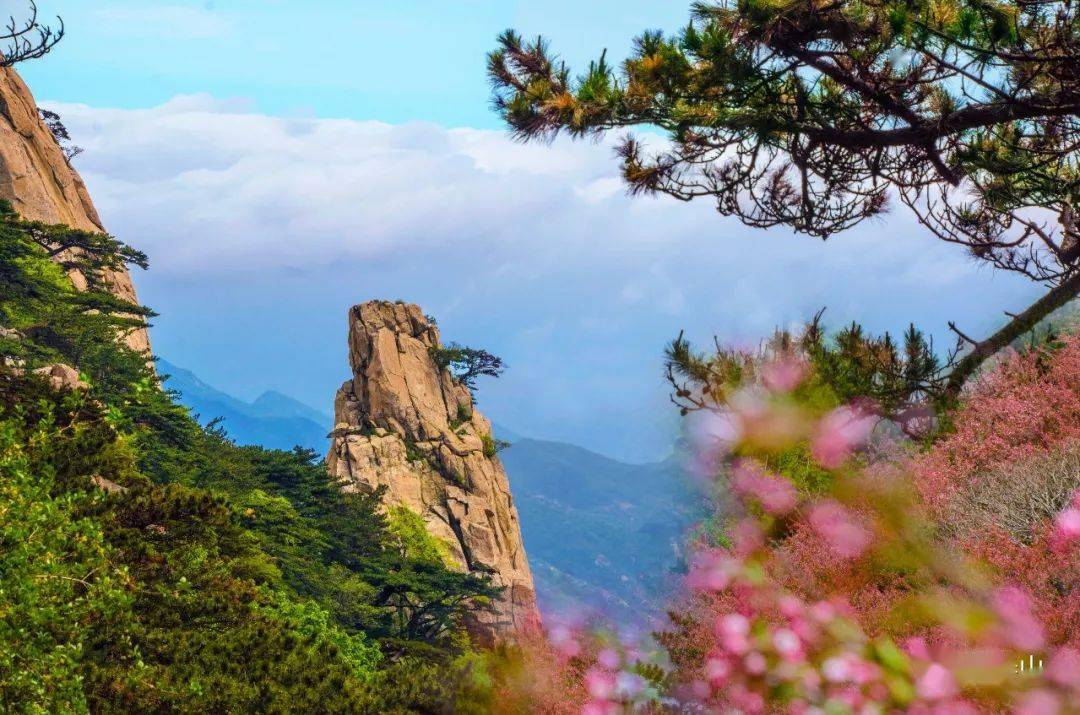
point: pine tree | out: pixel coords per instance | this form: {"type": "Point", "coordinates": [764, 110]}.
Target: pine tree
{"type": "Point", "coordinates": [813, 115]}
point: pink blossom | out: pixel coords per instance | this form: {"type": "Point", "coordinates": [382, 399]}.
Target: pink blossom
{"type": "Point", "coordinates": [838, 434]}
{"type": "Point", "coordinates": [700, 689]}
{"type": "Point", "coordinates": [840, 529]}
{"type": "Point", "coordinates": [790, 606]}
{"type": "Point", "coordinates": [564, 641]}
{"type": "Point", "coordinates": [863, 671]}
{"type": "Point", "coordinates": [747, 537]}
{"type": "Point", "coordinates": [1064, 668]}
{"type": "Point", "coordinates": [717, 670]}
{"type": "Point", "coordinates": [1067, 524]}
{"type": "Point", "coordinates": [937, 683]}
{"type": "Point", "coordinates": [917, 648]}
{"type": "Point", "coordinates": [600, 683]}
{"type": "Point", "coordinates": [755, 663]}
{"type": "Point", "coordinates": [823, 611]}
{"type": "Point", "coordinates": [787, 644]}
{"type": "Point", "coordinates": [807, 630]}
{"type": "Point", "coordinates": [783, 375]}
{"type": "Point", "coordinates": [851, 697]}
{"type": "Point", "coordinates": [711, 435]}
{"type": "Point", "coordinates": [600, 708]}
{"type": "Point", "coordinates": [776, 495]}
{"type": "Point", "coordinates": [734, 630]}
{"type": "Point", "coordinates": [1039, 702]}
{"type": "Point", "coordinates": [709, 571]}
{"type": "Point", "coordinates": [1022, 629]}
{"type": "Point", "coordinates": [836, 669]}
{"type": "Point", "coordinates": [747, 700]}
{"type": "Point", "coordinates": [1025, 406]}
{"type": "Point", "coordinates": [608, 658]}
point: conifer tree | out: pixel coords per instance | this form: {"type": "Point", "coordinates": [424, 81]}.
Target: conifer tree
{"type": "Point", "coordinates": [815, 114]}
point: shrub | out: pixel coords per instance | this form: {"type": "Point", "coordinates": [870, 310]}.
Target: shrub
{"type": "Point", "coordinates": [492, 446]}
{"type": "Point", "coordinates": [1027, 406]}
{"type": "Point", "coordinates": [1018, 498]}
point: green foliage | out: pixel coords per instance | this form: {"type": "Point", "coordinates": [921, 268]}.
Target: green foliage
{"type": "Point", "coordinates": [407, 529]}
{"type": "Point", "coordinates": [56, 582]}
{"type": "Point", "coordinates": [356, 650]}
{"type": "Point", "coordinates": [416, 685]}
{"type": "Point", "coordinates": [817, 116]}
{"type": "Point", "coordinates": [800, 106]}
{"type": "Point", "coordinates": [413, 453]}
{"type": "Point", "coordinates": [467, 364]}
{"type": "Point", "coordinates": [218, 578]}
{"type": "Point", "coordinates": [903, 382]}
{"type": "Point", "coordinates": [857, 365]}
{"type": "Point", "coordinates": [464, 414]}
{"type": "Point", "coordinates": [492, 446]}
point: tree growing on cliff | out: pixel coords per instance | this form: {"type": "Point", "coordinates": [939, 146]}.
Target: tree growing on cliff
{"type": "Point", "coordinates": [466, 364]}
{"type": "Point", "coordinates": [60, 133]}
{"type": "Point", "coordinates": [813, 115]}
{"type": "Point", "coordinates": [28, 39]}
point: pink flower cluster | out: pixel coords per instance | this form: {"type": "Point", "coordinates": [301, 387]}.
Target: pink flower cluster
{"type": "Point", "coordinates": [795, 613]}
{"type": "Point", "coordinates": [1027, 406]}
{"type": "Point", "coordinates": [771, 649]}
{"type": "Point", "coordinates": [839, 434]}
{"type": "Point", "coordinates": [783, 651]}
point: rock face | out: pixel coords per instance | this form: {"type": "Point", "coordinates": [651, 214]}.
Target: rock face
{"type": "Point", "coordinates": [41, 184]}
{"type": "Point", "coordinates": [404, 423]}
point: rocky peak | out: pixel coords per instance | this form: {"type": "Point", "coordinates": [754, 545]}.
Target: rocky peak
{"type": "Point", "coordinates": [403, 422]}
{"type": "Point", "coordinates": [41, 184]}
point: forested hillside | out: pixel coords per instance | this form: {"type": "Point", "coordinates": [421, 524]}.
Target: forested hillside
{"type": "Point", "coordinates": [148, 564]}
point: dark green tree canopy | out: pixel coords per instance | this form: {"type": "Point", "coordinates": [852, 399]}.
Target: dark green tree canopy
{"type": "Point", "coordinates": [466, 364]}
{"type": "Point", "coordinates": [806, 114]}
{"type": "Point", "coordinates": [815, 114]}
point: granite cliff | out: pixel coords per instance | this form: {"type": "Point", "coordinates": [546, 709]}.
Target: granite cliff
{"type": "Point", "coordinates": [41, 184]}
{"type": "Point", "coordinates": [403, 423]}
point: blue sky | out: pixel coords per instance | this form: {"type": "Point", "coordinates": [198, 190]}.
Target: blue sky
{"type": "Point", "coordinates": [280, 161]}
{"type": "Point", "coordinates": [393, 61]}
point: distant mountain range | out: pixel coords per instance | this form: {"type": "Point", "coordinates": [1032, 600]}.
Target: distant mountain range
{"type": "Point", "coordinates": [273, 420]}
{"type": "Point", "coordinates": [602, 535]}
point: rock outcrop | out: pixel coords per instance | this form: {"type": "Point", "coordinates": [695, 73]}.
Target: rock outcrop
{"type": "Point", "coordinates": [41, 184]}
{"type": "Point", "coordinates": [404, 423]}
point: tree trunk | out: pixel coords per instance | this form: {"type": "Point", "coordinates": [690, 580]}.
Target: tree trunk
{"type": "Point", "coordinates": [1019, 325]}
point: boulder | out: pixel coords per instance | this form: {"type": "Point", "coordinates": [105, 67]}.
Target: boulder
{"type": "Point", "coordinates": [62, 377]}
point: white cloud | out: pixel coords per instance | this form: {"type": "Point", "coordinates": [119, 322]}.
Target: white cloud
{"type": "Point", "coordinates": [262, 230]}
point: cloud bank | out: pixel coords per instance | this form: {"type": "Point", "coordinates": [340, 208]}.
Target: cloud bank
{"type": "Point", "coordinates": [263, 230]}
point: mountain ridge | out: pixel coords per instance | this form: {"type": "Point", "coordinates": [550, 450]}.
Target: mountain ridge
{"type": "Point", "coordinates": [272, 420]}
{"type": "Point", "coordinates": [565, 493]}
